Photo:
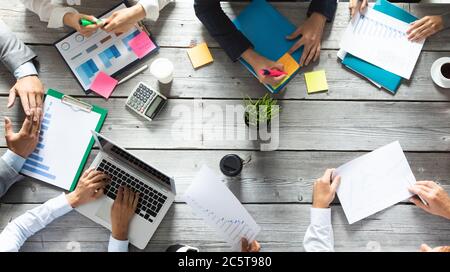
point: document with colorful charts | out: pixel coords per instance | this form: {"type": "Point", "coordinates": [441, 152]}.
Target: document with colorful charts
{"type": "Point", "coordinates": [102, 51]}
{"type": "Point", "coordinates": [215, 203]}
{"type": "Point", "coordinates": [374, 182]}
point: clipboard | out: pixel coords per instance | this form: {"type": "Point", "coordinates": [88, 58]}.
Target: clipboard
{"type": "Point", "coordinates": [65, 140]}
{"type": "Point", "coordinates": [85, 62]}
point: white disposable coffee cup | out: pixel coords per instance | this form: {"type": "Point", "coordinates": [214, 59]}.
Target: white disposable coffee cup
{"type": "Point", "coordinates": [162, 69]}
{"type": "Point", "coordinates": [436, 72]}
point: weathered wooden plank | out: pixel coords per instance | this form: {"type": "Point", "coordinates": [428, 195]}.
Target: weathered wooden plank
{"type": "Point", "coordinates": [270, 177]}
{"type": "Point", "coordinates": [304, 125]}
{"type": "Point", "coordinates": [177, 24]}
{"type": "Point", "coordinates": [441, 40]}
{"type": "Point", "coordinates": [400, 228]}
{"type": "Point", "coordinates": [225, 79]}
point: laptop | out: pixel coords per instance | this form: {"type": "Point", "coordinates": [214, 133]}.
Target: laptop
{"type": "Point", "coordinates": [156, 191]}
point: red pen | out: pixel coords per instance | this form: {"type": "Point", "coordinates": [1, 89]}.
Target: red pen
{"type": "Point", "coordinates": [271, 72]}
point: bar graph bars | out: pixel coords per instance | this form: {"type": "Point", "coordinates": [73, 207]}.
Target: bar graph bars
{"type": "Point", "coordinates": [109, 54]}
{"type": "Point", "coordinates": [87, 71]}
{"type": "Point", "coordinates": [35, 162]}
{"type": "Point", "coordinates": [128, 38]}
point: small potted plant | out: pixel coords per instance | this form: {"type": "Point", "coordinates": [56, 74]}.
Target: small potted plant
{"type": "Point", "coordinates": [258, 112]}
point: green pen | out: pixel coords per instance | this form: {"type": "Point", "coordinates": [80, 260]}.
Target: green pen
{"type": "Point", "coordinates": [86, 22]}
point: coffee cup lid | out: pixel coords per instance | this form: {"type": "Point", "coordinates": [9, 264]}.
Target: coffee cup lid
{"type": "Point", "coordinates": [436, 72]}
{"type": "Point", "coordinates": [231, 165]}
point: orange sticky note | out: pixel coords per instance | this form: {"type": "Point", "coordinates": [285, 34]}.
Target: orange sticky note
{"type": "Point", "coordinates": [200, 55]}
{"type": "Point", "coordinates": [290, 66]}
{"type": "Point", "coordinates": [142, 45]}
{"type": "Point", "coordinates": [103, 84]}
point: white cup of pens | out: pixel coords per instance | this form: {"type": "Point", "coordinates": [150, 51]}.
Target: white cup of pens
{"type": "Point", "coordinates": [162, 69]}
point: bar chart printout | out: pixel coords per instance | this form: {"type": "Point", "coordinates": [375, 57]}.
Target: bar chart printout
{"type": "Point", "coordinates": [64, 137]}
{"type": "Point", "coordinates": [210, 199]}
{"type": "Point", "coordinates": [382, 41]}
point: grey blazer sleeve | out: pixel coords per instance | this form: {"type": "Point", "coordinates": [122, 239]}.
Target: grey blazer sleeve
{"type": "Point", "coordinates": [8, 176]}
{"type": "Point", "coordinates": [13, 52]}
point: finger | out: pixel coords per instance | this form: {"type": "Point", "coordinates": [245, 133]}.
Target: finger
{"type": "Point", "coordinates": [32, 102]}
{"type": "Point", "coordinates": [119, 197]}
{"type": "Point", "coordinates": [255, 246]}
{"type": "Point", "coordinates": [418, 203]}
{"type": "Point", "coordinates": [311, 55]}
{"type": "Point", "coordinates": [12, 97]}
{"type": "Point", "coordinates": [39, 105]}
{"type": "Point", "coordinates": [363, 5]}
{"type": "Point", "coordinates": [99, 178]}
{"type": "Point", "coordinates": [98, 193]}
{"type": "Point", "coordinates": [335, 184]}
{"type": "Point", "coordinates": [126, 195]}
{"type": "Point", "coordinates": [295, 34]}
{"type": "Point", "coordinates": [136, 201]}
{"type": "Point", "coordinates": [36, 124]}
{"type": "Point", "coordinates": [244, 245]}
{"type": "Point", "coordinates": [86, 173]}
{"type": "Point", "coordinates": [419, 32]}
{"type": "Point", "coordinates": [296, 46]}
{"type": "Point", "coordinates": [279, 66]}
{"type": "Point", "coordinates": [25, 103]}
{"type": "Point", "coordinates": [93, 174]}
{"type": "Point", "coordinates": [422, 187]}
{"type": "Point", "coordinates": [427, 183]}
{"type": "Point", "coordinates": [305, 54]}
{"type": "Point", "coordinates": [8, 127]}
{"type": "Point", "coordinates": [131, 199]}
{"type": "Point", "coordinates": [327, 175]}
{"type": "Point", "coordinates": [425, 248]}
{"type": "Point", "coordinates": [26, 126]}
{"type": "Point", "coordinates": [278, 79]}
{"type": "Point", "coordinates": [417, 190]}
{"type": "Point", "coordinates": [416, 25]}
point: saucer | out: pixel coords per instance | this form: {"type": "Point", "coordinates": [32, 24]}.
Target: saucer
{"type": "Point", "coordinates": [436, 72]}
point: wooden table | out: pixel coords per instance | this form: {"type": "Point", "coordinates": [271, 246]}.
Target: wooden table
{"type": "Point", "coordinates": [317, 132]}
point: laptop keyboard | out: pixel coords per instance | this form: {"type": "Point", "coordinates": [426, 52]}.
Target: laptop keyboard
{"type": "Point", "coordinates": [150, 200]}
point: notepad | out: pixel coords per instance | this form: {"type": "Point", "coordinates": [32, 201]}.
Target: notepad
{"type": "Point", "coordinates": [316, 81]}
{"type": "Point", "coordinates": [142, 45]}
{"type": "Point", "coordinates": [200, 55]}
{"type": "Point", "coordinates": [290, 66]}
{"type": "Point", "coordinates": [374, 182]}
{"type": "Point", "coordinates": [104, 84]}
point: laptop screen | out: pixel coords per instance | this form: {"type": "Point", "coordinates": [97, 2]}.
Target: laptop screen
{"type": "Point", "coordinates": [109, 147]}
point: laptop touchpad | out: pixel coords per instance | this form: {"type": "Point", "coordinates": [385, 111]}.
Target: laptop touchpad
{"type": "Point", "coordinates": [104, 212]}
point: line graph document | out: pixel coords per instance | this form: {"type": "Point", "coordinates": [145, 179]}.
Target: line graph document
{"type": "Point", "coordinates": [374, 182]}
{"type": "Point", "coordinates": [215, 203]}
{"type": "Point", "coordinates": [382, 40]}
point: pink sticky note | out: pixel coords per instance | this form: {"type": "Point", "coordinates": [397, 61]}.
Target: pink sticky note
{"type": "Point", "coordinates": [103, 84]}
{"type": "Point", "coordinates": [142, 45]}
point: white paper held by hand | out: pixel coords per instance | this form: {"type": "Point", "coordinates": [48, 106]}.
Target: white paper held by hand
{"type": "Point", "coordinates": [216, 204]}
{"type": "Point", "coordinates": [374, 182]}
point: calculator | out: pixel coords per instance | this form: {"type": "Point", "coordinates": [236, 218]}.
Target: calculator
{"type": "Point", "coordinates": [146, 101]}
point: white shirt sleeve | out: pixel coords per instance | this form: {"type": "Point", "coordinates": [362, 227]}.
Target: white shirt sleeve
{"type": "Point", "coordinates": [319, 235]}
{"type": "Point", "coordinates": [13, 160]}
{"type": "Point", "coordinates": [48, 11]}
{"type": "Point", "coordinates": [24, 226]}
{"type": "Point", "coordinates": [117, 245]}
{"type": "Point", "coordinates": [152, 8]}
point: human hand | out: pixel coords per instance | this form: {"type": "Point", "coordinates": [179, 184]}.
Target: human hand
{"type": "Point", "coordinates": [122, 212]}
{"type": "Point", "coordinates": [123, 20]}
{"type": "Point", "coordinates": [73, 20]}
{"type": "Point", "coordinates": [324, 190]}
{"type": "Point", "coordinates": [259, 62]}
{"type": "Point", "coordinates": [357, 5]}
{"type": "Point", "coordinates": [89, 188]}
{"type": "Point", "coordinates": [426, 248]}
{"type": "Point", "coordinates": [311, 31]}
{"type": "Point", "coordinates": [425, 27]}
{"type": "Point", "coordinates": [438, 201]}
{"type": "Point", "coordinates": [30, 90]}
{"type": "Point", "coordinates": [253, 247]}
{"type": "Point", "coordinates": [24, 142]}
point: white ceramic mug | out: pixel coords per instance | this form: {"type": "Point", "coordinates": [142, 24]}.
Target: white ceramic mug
{"type": "Point", "coordinates": [162, 69]}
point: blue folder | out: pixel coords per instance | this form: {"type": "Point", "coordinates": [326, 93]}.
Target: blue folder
{"type": "Point", "coordinates": [388, 80]}
{"type": "Point", "coordinates": [267, 29]}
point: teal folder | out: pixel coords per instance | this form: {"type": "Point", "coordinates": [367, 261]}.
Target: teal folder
{"type": "Point", "coordinates": [267, 29]}
{"type": "Point", "coordinates": [388, 80]}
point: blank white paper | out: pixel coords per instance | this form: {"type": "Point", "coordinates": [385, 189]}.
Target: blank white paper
{"type": "Point", "coordinates": [216, 204]}
{"type": "Point", "coordinates": [382, 41]}
{"type": "Point", "coordinates": [374, 182]}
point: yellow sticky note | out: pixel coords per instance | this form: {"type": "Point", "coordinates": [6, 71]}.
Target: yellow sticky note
{"type": "Point", "coordinates": [290, 66]}
{"type": "Point", "coordinates": [316, 81]}
{"type": "Point", "coordinates": [200, 55]}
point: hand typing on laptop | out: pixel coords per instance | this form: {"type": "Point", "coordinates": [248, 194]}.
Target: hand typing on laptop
{"type": "Point", "coordinates": [122, 212]}
{"type": "Point", "coordinates": [89, 188]}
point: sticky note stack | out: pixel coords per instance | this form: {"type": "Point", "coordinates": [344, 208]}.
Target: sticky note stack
{"type": "Point", "coordinates": [200, 55]}
{"type": "Point", "coordinates": [316, 81]}
{"type": "Point", "coordinates": [289, 65]}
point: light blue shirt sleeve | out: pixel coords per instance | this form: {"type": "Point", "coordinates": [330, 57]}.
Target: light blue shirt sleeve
{"type": "Point", "coordinates": [117, 245]}
{"type": "Point", "coordinates": [319, 235]}
{"type": "Point", "coordinates": [26, 69]}
{"type": "Point", "coordinates": [24, 226]}
{"type": "Point", "coordinates": [13, 160]}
